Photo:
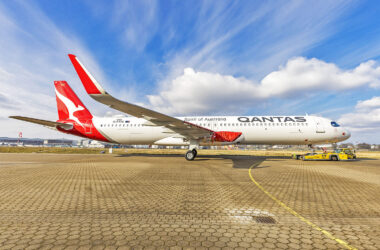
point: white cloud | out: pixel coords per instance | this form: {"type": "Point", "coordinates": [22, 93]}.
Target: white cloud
{"type": "Point", "coordinates": [365, 117]}
{"type": "Point", "coordinates": [202, 92]}
{"type": "Point", "coordinates": [205, 93]}
{"type": "Point", "coordinates": [301, 74]}
{"type": "Point", "coordinates": [369, 104]}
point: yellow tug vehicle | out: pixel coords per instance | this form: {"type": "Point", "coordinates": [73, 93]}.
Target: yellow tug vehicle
{"type": "Point", "coordinates": [342, 154]}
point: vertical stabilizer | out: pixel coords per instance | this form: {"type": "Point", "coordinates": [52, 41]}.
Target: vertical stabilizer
{"type": "Point", "coordinates": [70, 107]}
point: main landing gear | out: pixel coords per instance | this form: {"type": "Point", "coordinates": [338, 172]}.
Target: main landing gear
{"type": "Point", "coordinates": [191, 154]}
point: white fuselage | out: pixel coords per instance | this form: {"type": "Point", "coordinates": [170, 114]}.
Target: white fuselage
{"type": "Point", "coordinates": [255, 130]}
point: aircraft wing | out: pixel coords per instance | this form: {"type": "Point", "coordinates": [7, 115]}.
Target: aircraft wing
{"type": "Point", "coordinates": [93, 88]}
{"type": "Point", "coordinates": [51, 124]}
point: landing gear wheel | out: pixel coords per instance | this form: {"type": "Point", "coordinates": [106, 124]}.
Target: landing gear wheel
{"type": "Point", "coordinates": [195, 152]}
{"type": "Point", "coordinates": [190, 155]}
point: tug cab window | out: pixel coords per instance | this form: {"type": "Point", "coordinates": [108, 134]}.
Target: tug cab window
{"type": "Point", "coordinates": [334, 124]}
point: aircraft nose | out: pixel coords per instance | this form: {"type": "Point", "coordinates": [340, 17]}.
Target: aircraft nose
{"type": "Point", "coordinates": [346, 133]}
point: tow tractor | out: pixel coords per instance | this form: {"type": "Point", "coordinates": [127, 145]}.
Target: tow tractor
{"type": "Point", "coordinates": [336, 155]}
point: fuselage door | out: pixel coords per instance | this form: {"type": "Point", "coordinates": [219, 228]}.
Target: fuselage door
{"type": "Point", "coordinates": [319, 126]}
{"type": "Point", "coordinates": [88, 127]}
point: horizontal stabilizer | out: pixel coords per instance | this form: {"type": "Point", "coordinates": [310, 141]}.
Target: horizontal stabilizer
{"type": "Point", "coordinates": [66, 126]}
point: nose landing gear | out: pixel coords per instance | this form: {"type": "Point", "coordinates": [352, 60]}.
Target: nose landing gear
{"type": "Point", "coordinates": [311, 147]}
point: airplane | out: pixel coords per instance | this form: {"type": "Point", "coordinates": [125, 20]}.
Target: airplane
{"type": "Point", "coordinates": [148, 127]}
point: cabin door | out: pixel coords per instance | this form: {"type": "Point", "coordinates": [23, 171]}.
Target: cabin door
{"type": "Point", "coordinates": [319, 126]}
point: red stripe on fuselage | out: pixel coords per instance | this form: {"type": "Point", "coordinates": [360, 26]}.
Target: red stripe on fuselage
{"type": "Point", "coordinates": [87, 131]}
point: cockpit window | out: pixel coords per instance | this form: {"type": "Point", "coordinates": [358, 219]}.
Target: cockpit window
{"type": "Point", "coordinates": [334, 124]}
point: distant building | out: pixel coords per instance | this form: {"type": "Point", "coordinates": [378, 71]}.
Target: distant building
{"type": "Point", "coordinates": [90, 144]}
{"type": "Point", "coordinates": [7, 141]}
{"type": "Point", "coordinates": [35, 142]}
{"type": "Point", "coordinates": [58, 143]}
{"type": "Point", "coordinates": [363, 146]}
{"type": "Point", "coordinates": [346, 145]}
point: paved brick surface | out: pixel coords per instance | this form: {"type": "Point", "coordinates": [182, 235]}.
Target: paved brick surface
{"type": "Point", "coordinates": [121, 202]}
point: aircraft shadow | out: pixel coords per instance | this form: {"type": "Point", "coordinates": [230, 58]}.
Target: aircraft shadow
{"type": "Point", "coordinates": [239, 161]}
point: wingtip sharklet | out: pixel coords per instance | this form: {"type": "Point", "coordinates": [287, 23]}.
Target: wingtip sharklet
{"type": "Point", "coordinates": [90, 84]}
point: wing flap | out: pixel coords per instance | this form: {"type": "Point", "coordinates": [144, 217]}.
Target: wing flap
{"type": "Point", "coordinates": [65, 126]}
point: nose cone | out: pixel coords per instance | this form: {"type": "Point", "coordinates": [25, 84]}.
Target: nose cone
{"type": "Point", "coordinates": [346, 134]}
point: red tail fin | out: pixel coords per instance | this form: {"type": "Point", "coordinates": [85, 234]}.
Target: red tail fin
{"type": "Point", "coordinates": [70, 108]}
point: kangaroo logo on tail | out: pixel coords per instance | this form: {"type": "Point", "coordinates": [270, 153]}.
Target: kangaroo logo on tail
{"type": "Point", "coordinates": [70, 107]}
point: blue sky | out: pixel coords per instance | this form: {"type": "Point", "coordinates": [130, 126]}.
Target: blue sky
{"type": "Point", "coordinates": [196, 58]}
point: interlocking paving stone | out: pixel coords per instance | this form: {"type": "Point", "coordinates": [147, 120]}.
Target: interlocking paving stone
{"type": "Point", "coordinates": [52, 201]}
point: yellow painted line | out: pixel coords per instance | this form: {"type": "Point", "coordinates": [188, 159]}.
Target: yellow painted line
{"type": "Point", "coordinates": [329, 235]}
